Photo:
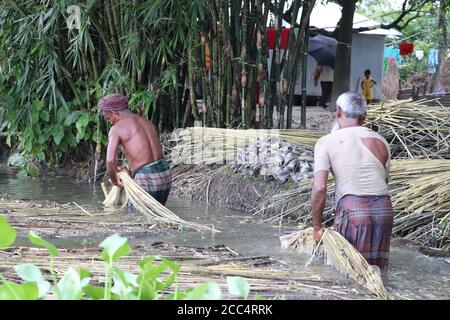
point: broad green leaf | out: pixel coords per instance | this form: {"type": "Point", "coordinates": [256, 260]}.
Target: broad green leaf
{"type": "Point", "coordinates": [82, 122]}
{"type": "Point", "coordinates": [131, 278]}
{"type": "Point", "coordinates": [148, 290]}
{"type": "Point", "coordinates": [121, 286]}
{"type": "Point", "coordinates": [172, 276]}
{"type": "Point", "coordinates": [208, 291]}
{"type": "Point", "coordinates": [72, 118]}
{"type": "Point", "coordinates": [69, 286]}
{"type": "Point", "coordinates": [40, 155]}
{"type": "Point", "coordinates": [238, 286]}
{"type": "Point", "coordinates": [81, 125]}
{"type": "Point", "coordinates": [43, 137]}
{"type": "Point", "coordinates": [148, 261]}
{"type": "Point", "coordinates": [44, 115]}
{"type": "Point", "coordinates": [61, 115]}
{"type": "Point", "coordinates": [213, 292]}
{"type": "Point", "coordinates": [35, 239]}
{"type": "Point", "coordinates": [84, 273]}
{"type": "Point", "coordinates": [37, 104]}
{"type": "Point", "coordinates": [30, 273]}
{"type": "Point", "coordinates": [197, 293]}
{"type": "Point", "coordinates": [94, 292]}
{"type": "Point", "coordinates": [97, 136]}
{"type": "Point", "coordinates": [70, 138]}
{"type": "Point", "coordinates": [114, 247]}
{"type": "Point", "coordinates": [7, 234]}
{"type": "Point", "coordinates": [86, 136]}
{"type": "Point", "coordinates": [127, 277]}
{"type": "Point", "coordinates": [58, 134]}
{"type": "Point", "coordinates": [35, 117]}
{"type": "Point", "coordinates": [14, 291]}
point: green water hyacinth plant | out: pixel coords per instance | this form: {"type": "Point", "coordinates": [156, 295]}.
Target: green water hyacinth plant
{"type": "Point", "coordinates": [156, 275]}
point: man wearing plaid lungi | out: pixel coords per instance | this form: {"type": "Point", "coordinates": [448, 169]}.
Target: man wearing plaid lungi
{"type": "Point", "coordinates": [140, 141]}
{"type": "Point", "coordinates": [359, 160]}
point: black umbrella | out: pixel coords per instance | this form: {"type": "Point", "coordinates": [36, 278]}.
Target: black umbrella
{"type": "Point", "coordinates": [323, 50]}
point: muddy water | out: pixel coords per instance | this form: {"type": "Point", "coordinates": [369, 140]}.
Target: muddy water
{"type": "Point", "coordinates": [411, 275]}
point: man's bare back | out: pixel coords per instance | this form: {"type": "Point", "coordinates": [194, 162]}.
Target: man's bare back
{"type": "Point", "coordinates": [139, 139]}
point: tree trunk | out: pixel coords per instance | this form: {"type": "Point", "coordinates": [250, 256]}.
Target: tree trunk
{"type": "Point", "coordinates": [443, 44]}
{"type": "Point", "coordinates": [342, 68]}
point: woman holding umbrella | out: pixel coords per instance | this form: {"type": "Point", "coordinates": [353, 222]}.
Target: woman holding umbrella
{"type": "Point", "coordinates": [323, 50]}
{"type": "Point", "coordinates": [325, 74]}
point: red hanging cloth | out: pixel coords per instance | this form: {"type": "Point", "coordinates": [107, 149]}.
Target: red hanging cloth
{"type": "Point", "coordinates": [406, 48]}
{"type": "Point", "coordinates": [271, 37]}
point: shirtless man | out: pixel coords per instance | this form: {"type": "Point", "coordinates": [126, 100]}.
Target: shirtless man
{"type": "Point", "coordinates": [359, 160]}
{"type": "Point", "coordinates": [140, 142]}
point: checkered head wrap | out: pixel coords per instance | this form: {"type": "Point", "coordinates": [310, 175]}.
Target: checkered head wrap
{"type": "Point", "coordinates": [113, 103]}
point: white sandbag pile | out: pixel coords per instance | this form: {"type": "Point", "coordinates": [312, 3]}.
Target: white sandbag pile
{"type": "Point", "coordinates": [275, 158]}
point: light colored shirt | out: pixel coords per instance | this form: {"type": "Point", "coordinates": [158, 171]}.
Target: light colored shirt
{"type": "Point", "coordinates": [354, 167]}
{"type": "Point", "coordinates": [326, 73]}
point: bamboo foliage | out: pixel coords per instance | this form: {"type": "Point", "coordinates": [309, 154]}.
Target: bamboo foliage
{"type": "Point", "coordinates": [134, 47]}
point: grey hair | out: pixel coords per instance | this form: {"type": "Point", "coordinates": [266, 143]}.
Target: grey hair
{"type": "Point", "coordinates": [352, 104]}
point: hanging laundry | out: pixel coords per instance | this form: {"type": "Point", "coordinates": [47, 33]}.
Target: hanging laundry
{"type": "Point", "coordinates": [419, 54]}
{"type": "Point", "coordinates": [433, 60]}
{"type": "Point", "coordinates": [271, 37]}
{"type": "Point", "coordinates": [393, 53]}
{"type": "Point", "coordinates": [406, 48]}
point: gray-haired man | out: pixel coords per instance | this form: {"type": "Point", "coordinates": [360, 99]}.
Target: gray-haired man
{"type": "Point", "coordinates": [359, 160]}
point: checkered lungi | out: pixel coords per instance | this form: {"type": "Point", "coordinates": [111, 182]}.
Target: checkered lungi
{"type": "Point", "coordinates": [155, 178]}
{"type": "Point", "coordinates": [366, 222]}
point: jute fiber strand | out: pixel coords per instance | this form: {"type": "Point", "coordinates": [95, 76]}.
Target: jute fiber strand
{"type": "Point", "coordinates": [215, 145]}
{"type": "Point", "coordinates": [420, 192]}
{"type": "Point", "coordinates": [151, 208]}
{"type": "Point", "coordinates": [340, 254]}
{"type": "Point", "coordinates": [412, 129]}
{"type": "Point", "coordinates": [112, 198]}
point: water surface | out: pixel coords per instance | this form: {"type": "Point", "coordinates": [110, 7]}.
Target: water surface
{"type": "Point", "coordinates": [410, 275]}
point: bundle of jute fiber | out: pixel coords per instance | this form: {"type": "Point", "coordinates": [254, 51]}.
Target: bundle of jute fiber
{"type": "Point", "coordinates": [152, 209]}
{"type": "Point", "coordinates": [199, 145]}
{"type": "Point", "coordinates": [113, 197]}
{"type": "Point", "coordinates": [340, 254]}
{"type": "Point", "coordinates": [412, 129]}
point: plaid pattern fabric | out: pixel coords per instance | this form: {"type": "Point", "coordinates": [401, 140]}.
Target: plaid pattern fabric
{"type": "Point", "coordinates": [366, 222]}
{"type": "Point", "coordinates": [156, 179]}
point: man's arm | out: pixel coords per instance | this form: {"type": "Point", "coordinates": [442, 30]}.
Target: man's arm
{"type": "Point", "coordinates": [318, 201]}
{"type": "Point", "coordinates": [111, 156]}
{"type": "Point", "coordinates": [316, 77]}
